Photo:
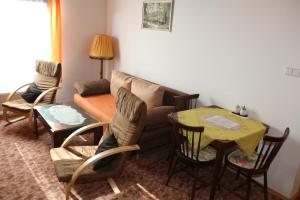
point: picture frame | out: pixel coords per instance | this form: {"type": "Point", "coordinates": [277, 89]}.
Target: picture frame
{"type": "Point", "coordinates": [157, 15]}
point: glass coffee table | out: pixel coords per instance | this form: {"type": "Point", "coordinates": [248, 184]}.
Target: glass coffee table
{"type": "Point", "coordinates": [62, 120]}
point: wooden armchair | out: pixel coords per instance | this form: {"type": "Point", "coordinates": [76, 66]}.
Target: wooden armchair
{"type": "Point", "coordinates": [47, 79]}
{"type": "Point", "coordinates": [75, 163]}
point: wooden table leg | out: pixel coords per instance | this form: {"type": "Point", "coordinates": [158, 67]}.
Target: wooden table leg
{"type": "Point", "coordinates": [221, 147]}
{"type": "Point", "coordinates": [58, 138]}
{"type": "Point", "coordinates": [216, 173]}
{"type": "Point", "coordinates": [172, 148]}
{"type": "Point", "coordinates": [98, 132]}
{"type": "Point", "coordinates": [35, 116]}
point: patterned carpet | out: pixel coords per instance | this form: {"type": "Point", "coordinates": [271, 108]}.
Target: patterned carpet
{"type": "Point", "coordinates": [27, 173]}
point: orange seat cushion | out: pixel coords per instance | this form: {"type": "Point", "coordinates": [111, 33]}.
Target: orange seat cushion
{"type": "Point", "coordinates": [102, 107]}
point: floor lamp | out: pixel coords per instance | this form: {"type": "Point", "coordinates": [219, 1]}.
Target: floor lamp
{"type": "Point", "coordinates": [102, 49]}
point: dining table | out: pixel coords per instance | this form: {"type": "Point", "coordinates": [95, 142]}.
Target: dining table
{"type": "Point", "coordinates": [245, 135]}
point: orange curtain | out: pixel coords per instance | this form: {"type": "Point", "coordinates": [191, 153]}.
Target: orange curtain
{"type": "Point", "coordinates": [55, 20]}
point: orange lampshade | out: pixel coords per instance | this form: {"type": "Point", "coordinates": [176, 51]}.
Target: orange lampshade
{"type": "Point", "coordinates": [102, 47]}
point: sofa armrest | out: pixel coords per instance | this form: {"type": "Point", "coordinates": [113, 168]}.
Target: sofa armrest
{"type": "Point", "coordinates": [158, 114]}
{"type": "Point", "coordinates": [89, 88]}
{"type": "Point", "coordinates": [168, 99]}
{"type": "Point", "coordinates": [186, 102]}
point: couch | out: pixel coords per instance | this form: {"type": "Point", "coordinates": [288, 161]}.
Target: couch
{"type": "Point", "coordinates": [98, 99]}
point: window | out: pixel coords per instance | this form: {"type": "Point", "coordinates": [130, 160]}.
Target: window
{"type": "Point", "coordinates": [24, 38]}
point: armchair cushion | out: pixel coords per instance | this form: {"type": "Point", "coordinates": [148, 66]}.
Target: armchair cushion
{"type": "Point", "coordinates": [66, 161]}
{"type": "Point", "coordinates": [89, 88]}
{"type": "Point", "coordinates": [128, 121]}
{"type": "Point", "coordinates": [48, 68]}
{"type": "Point", "coordinates": [44, 83]}
{"type": "Point", "coordinates": [47, 76]}
{"type": "Point", "coordinates": [109, 143]}
{"type": "Point", "coordinates": [129, 106]}
{"type": "Point", "coordinates": [19, 104]}
{"type": "Point", "coordinates": [31, 93]}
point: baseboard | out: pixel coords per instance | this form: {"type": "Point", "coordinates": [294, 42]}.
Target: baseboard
{"type": "Point", "coordinates": [270, 190]}
{"type": "Point", "coordinates": [277, 194]}
{"type": "Point", "coordinates": [295, 196]}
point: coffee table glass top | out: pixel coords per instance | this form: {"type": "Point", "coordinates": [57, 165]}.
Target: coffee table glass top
{"type": "Point", "coordinates": [62, 117]}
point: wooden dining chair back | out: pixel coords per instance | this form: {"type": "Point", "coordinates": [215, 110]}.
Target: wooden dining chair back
{"type": "Point", "coordinates": [186, 102]}
{"type": "Point", "coordinates": [188, 150]}
{"type": "Point", "coordinates": [258, 163]}
{"type": "Point", "coordinates": [268, 151]}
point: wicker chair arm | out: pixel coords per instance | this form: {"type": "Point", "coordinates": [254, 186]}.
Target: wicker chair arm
{"type": "Point", "coordinates": [96, 158]}
{"type": "Point", "coordinates": [10, 96]}
{"type": "Point", "coordinates": [81, 130]}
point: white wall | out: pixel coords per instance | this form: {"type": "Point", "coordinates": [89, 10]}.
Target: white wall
{"type": "Point", "coordinates": [230, 52]}
{"type": "Point", "coordinates": [80, 21]}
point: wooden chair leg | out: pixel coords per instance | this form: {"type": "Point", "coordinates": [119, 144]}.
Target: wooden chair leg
{"type": "Point", "coordinates": [174, 157]}
{"type": "Point", "coordinates": [67, 191]}
{"type": "Point", "coordinates": [222, 174]}
{"type": "Point", "coordinates": [266, 186]}
{"type": "Point", "coordinates": [10, 121]}
{"type": "Point", "coordinates": [237, 175]}
{"type": "Point", "coordinates": [113, 185]}
{"type": "Point", "coordinates": [248, 187]}
{"type": "Point", "coordinates": [223, 170]}
{"type": "Point", "coordinates": [30, 122]}
{"type": "Point", "coordinates": [5, 114]}
{"type": "Point", "coordinates": [173, 165]}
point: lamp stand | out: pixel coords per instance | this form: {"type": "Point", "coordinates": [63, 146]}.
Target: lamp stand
{"type": "Point", "coordinates": [101, 69]}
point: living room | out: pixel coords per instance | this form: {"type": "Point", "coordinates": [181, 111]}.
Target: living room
{"type": "Point", "coordinates": [230, 52]}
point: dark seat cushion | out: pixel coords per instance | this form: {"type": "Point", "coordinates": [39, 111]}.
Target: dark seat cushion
{"type": "Point", "coordinates": [109, 143]}
{"type": "Point", "coordinates": [31, 93]}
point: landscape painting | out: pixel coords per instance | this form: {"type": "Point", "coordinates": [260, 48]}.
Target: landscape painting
{"type": "Point", "coordinates": [157, 14]}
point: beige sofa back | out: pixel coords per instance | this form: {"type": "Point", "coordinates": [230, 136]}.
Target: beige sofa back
{"type": "Point", "coordinates": [157, 130]}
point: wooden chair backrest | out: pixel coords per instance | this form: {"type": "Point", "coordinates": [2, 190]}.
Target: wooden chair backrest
{"type": "Point", "coordinates": [269, 149]}
{"type": "Point", "coordinates": [186, 102]}
{"type": "Point", "coordinates": [188, 140]}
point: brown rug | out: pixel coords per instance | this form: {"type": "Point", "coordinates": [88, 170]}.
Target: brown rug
{"type": "Point", "coordinates": [26, 172]}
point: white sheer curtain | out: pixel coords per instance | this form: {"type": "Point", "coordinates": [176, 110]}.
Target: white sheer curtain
{"type": "Point", "coordinates": [24, 38]}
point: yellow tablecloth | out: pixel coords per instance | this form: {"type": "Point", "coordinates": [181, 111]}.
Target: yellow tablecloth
{"type": "Point", "coordinates": [247, 136]}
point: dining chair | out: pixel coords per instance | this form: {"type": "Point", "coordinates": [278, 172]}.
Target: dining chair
{"type": "Point", "coordinates": [256, 164]}
{"type": "Point", "coordinates": [183, 102]}
{"type": "Point", "coordinates": [188, 151]}
{"type": "Point", "coordinates": [186, 102]}
{"type": "Point", "coordinates": [46, 80]}
{"type": "Point", "coordinates": [76, 164]}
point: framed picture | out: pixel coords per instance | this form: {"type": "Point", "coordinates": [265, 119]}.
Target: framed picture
{"type": "Point", "coordinates": [157, 14]}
